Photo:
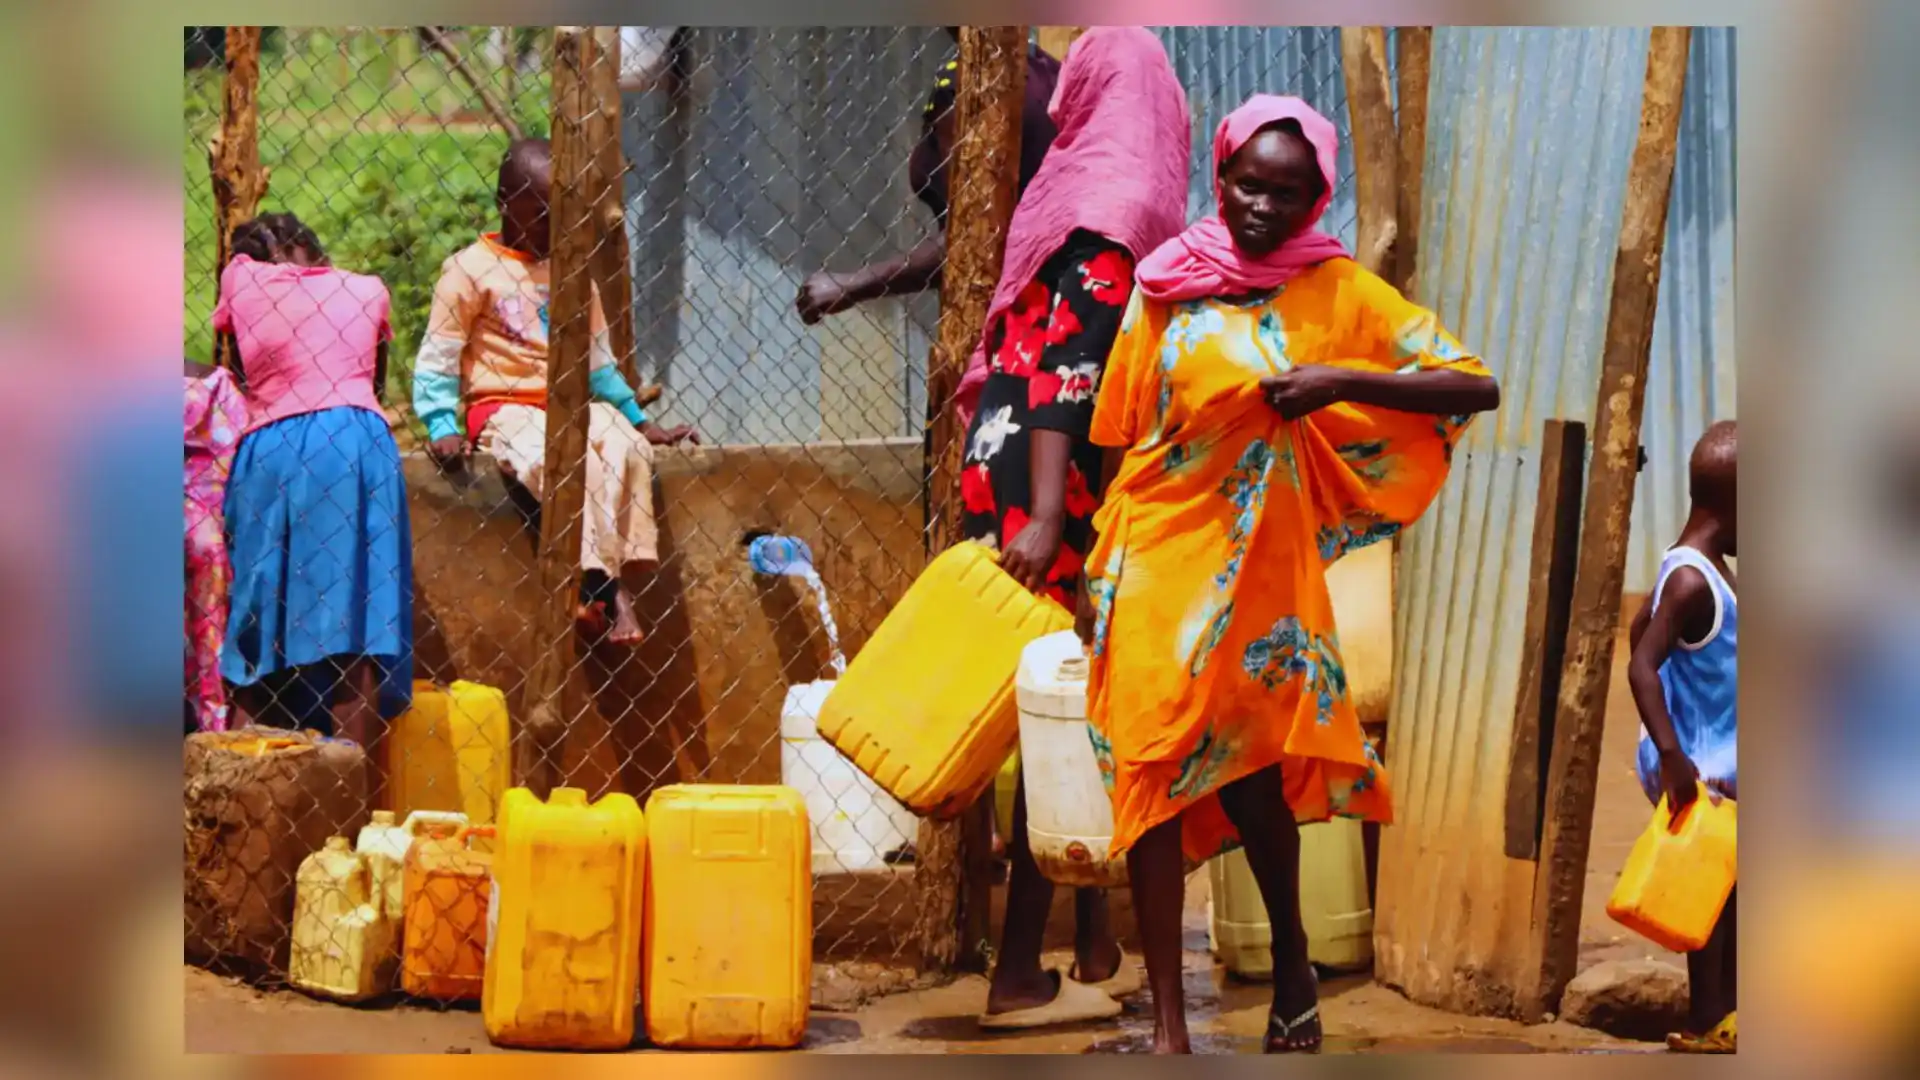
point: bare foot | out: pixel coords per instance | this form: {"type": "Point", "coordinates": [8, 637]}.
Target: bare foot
{"type": "Point", "coordinates": [626, 623]}
{"type": "Point", "coordinates": [1010, 993]}
{"type": "Point", "coordinates": [591, 620]}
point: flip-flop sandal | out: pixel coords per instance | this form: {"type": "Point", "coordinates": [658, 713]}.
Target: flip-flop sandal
{"type": "Point", "coordinates": [1280, 1033]}
{"type": "Point", "coordinates": [1125, 982]}
{"type": "Point", "coordinates": [1076, 1003]}
{"type": "Point", "coordinates": [1723, 1039]}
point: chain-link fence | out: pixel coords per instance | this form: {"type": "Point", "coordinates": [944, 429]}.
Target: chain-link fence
{"type": "Point", "coordinates": [748, 159]}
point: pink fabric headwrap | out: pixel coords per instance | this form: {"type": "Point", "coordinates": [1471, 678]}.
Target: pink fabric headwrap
{"type": "Point", "coordinates": [1117, 168]}
{"type": "Point", "coordinates": [1203, 261]}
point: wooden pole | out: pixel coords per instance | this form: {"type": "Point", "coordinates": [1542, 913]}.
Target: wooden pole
{"type": "Point", "coordinates": [951, 878]}
{"type": "Point", "coordinates": [233, 157]}
{"type": "Point", "coordinates": [1543, 642]}
{"type": "Point", "coordinates": [552, 698]}
{"type": "Point", "coordinates": [1056, 40]}
{"type": "Point", "coordinates": [1595, 619]}
{"type": "Point", "coordinates": [1415, 74]}
{"type": "Point", "coordinates": [1376, 143]}
{"type": "Point", "coordinates": [612, 258]}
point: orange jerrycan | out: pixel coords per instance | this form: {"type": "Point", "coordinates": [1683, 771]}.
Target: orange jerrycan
{"type": "Point", "coordinates": [443, 952]}
{"type": "Point", "coordinates": [927, 708]}
{"type": "Point", "coordinates": [563, 939]}
{"type": "Point", "coordinates": [728, 934]}
{"type": "Point", "coordinates": [1679, 874]}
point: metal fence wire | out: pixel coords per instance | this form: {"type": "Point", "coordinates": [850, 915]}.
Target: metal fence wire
{"type": "Point", "coordinates": [746, 160]}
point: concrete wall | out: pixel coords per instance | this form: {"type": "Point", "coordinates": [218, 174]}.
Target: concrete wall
{"type": "Point", "coordinates": [700, 699]}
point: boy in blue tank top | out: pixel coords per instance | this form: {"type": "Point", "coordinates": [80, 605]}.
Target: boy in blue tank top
{"type": "Point", "coordinates": [1683, 677]}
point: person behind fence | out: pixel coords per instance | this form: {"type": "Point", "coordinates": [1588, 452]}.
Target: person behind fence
{"type": "Point", "coordinates": [827, 292]}
{"type": "Point", "coordinates": [216, 417]}
{"type": "Point", "coordinates": [1273, 406]}
{"type": "Point", "coordinates": [1684, 677]}
{"type": "Point", "coordinates": [1112, 188]}
{"type": "Point", "coordinates": [316, 509]}
{"type": "Point", "coordinates": [482, 369]}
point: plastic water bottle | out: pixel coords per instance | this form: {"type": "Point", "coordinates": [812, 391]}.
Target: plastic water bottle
{"type": "Point", "coordinates": [781, 556]}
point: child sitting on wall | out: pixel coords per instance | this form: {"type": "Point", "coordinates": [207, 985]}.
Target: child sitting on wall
{"type": "Point", "coordinates": [482, 371]}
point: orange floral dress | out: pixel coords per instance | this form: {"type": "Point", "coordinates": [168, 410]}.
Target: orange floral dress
{"type": "Point", "coordinates": [1214, 651]}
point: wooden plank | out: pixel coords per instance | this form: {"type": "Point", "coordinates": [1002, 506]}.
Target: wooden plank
{"type": "Point", "coordinates": [1376, 143]}
{"type": "Point", "coordinates": [1415, 73]}
{"type": "Point", "coordinates": [233, 160]}
{"type": "Point", "coordinates": [1580, 716]}
{"type": "Point", "coordinates": [612, 257]}
{"type": "Point", "coordinates": [1556, 539]}
{"type": "Point", "coordinates": [982, 185]}
{"type": "Point", "coordinates": [553, 699]}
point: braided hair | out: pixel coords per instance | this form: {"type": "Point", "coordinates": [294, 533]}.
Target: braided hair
{"type": "Point", "coordinates": [277, 238]}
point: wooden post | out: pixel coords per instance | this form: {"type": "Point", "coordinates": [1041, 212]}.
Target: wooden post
{"type": "Point", "coordinates": [1416, 72]}
{"type": "Point", "coordinates": [612, 260]}
{"type": "Point", "coordinates": [1376, 143]}
{"type": "Point", "coordinates": [982, 184]}
{"type": "Point", "coordinates": [233, 157]}
{"type": "Point", "coordinates": [1581, 714]}
{"type": "Point", "coordinates": [1056, 40]}
{"type": "Point", "coordinates": [1543, 643]}
{"type": "Point", "coordinates": [552, 700]}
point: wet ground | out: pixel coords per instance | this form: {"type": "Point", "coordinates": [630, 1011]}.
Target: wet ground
{"type": "Point", "coordinates": [1227, 1017]}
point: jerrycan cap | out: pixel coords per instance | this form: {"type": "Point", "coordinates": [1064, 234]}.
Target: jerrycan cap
{"type": "Point", "coordinates": [340, 844]}
{"type": "Point", "coordinates": [383, 817]}
{"type": "Point", "coordinates": [567, 796]}
{"type": "Point", "coordinates": [1073, 669]}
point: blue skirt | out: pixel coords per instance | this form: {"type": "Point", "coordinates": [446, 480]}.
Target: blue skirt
{"type": "Point", "coordinates": [322, 551]}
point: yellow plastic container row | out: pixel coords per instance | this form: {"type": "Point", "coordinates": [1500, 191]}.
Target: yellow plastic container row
{"type": "Point", "coordinates": [927, 708]}
{"type": "Point", "coordinates": [1679, 874]}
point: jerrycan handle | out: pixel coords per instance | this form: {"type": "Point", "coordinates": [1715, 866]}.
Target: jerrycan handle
{"type": "Point", "coordinates": [1677, 822]}
{"type": "Point", "coordinates": [469, 833]}
{"type": "Point", "coordinates": [420, 819]}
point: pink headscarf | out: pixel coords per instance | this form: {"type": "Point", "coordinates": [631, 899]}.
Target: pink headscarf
{"type": "Point", "coordinates": [1203, 261]}
{"type": "Point", "coordinates": [1117, 168]}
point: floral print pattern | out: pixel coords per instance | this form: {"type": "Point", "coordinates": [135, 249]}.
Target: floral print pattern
{"type": "Point", "coordinates": [216, 414]}
{"type": "Point", "coordinates": [1045, 359]}
{"type": "Point", "coordinates": [1216, 654]}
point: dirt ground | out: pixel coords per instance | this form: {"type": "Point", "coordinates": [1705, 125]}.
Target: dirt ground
{"type": "Point", "coordinates": [224, 1016]}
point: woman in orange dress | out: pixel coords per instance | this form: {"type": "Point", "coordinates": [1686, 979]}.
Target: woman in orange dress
{"type": "Point", "coordinates": [1272, 407]}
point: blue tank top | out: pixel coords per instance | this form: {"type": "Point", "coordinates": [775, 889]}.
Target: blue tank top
{"type": "Point", "coordinates": [1701, 681]}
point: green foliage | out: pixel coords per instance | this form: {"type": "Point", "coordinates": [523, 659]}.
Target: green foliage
{"type": "Point", "coordinates": [374, 142]}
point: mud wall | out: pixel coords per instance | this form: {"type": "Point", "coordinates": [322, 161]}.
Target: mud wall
{"type": "Point", "coordinates": [701, 697]}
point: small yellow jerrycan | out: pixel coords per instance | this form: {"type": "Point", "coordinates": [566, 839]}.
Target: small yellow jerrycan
{"type": "Point", "coordinates": [1679, 874]}
{"type": "Point", "coordinates": [343, 946]}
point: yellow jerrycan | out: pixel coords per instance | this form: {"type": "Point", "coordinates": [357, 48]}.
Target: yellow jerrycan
{"type": "Point", "coordinates": [1679, 874]}
{"type": "Point", "coordinates": [728, 932]}
{"type": "Point", "coordinates": [450, 751]}
{"type": "Point", "coordinates": [927, 708]}
{"type": "Point", "coordinates": [1333, 904]}
{"type": "Point", "coordinates": [563, 923]}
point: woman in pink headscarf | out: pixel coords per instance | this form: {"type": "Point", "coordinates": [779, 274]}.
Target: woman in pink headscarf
{"type": "Point", "coordinates": [1271, 406]}
{"type": "Point", "coordinates": [1112, 187]}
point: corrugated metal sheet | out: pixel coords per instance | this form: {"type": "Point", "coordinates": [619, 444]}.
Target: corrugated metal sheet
{"type": "Point", "coordinates": [1690, 380]}
{"type": "Point", "coordinates": [1222, 66]}
{"type": "Point", "coordinates": [1529, 136]}
{"type": "Point", "coordinates": [789, 154]}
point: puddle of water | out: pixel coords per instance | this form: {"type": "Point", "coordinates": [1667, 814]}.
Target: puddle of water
{"type": "Point", "coordinates": [824, 1031]}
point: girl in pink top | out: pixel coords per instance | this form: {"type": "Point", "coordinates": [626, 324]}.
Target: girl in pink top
{"type": "Point", "coordinates": [321, 624]}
